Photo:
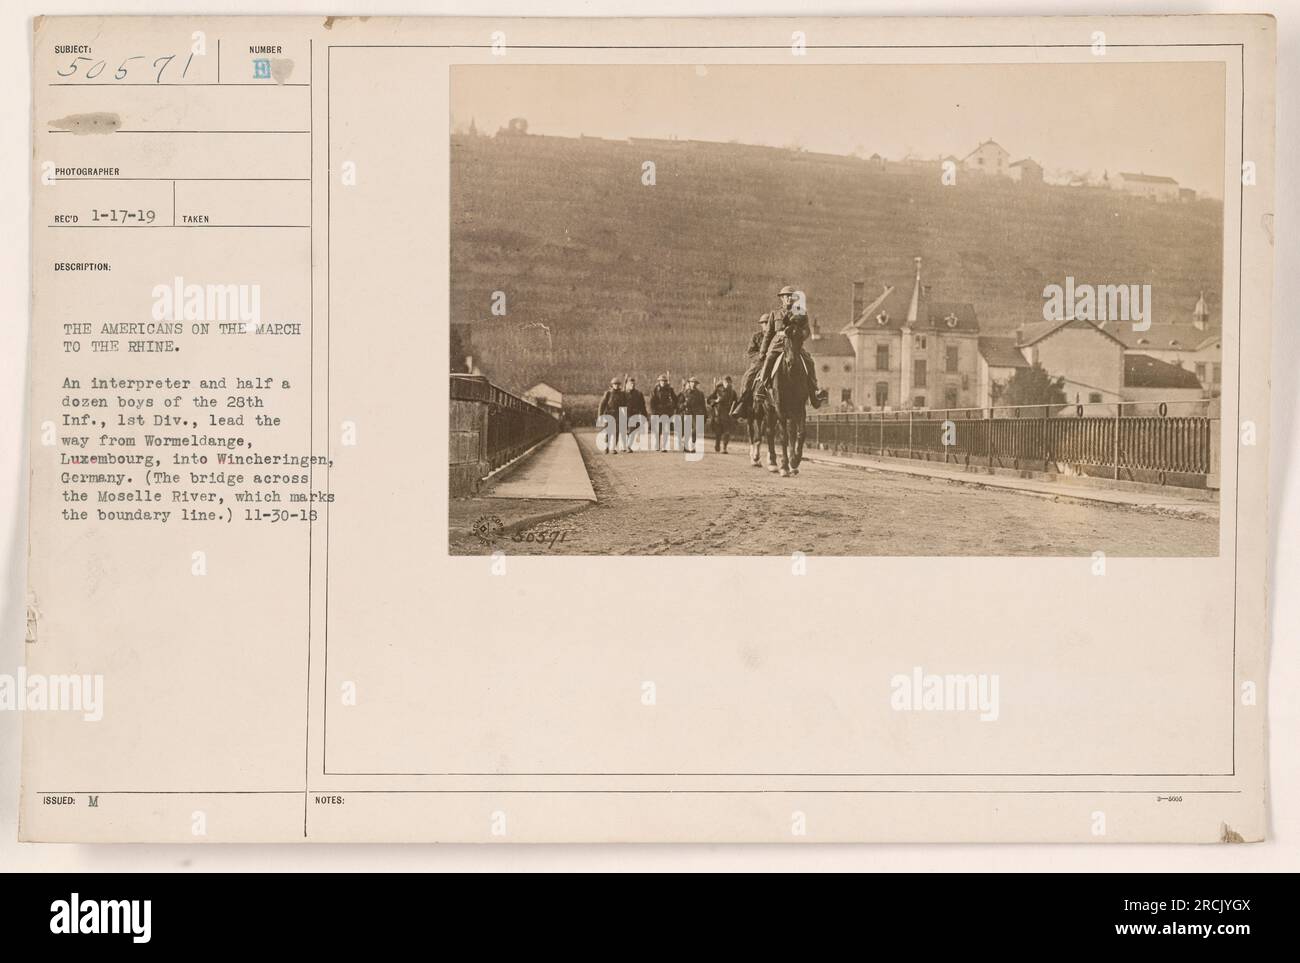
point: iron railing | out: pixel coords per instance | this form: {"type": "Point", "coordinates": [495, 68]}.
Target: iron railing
{"type": "Point", "coordinates": [1153, 438]}
{"type": "Point", "coordinates": [505, 425]}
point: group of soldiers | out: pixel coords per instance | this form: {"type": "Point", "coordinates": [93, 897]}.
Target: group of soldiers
{"type": "Point", "coordinates": [687, 402]}
{"type": "Point", "coordinates": [723, 405]}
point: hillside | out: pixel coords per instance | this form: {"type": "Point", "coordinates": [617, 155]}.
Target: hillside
{"type": "Point", "coordinates": [629, 278]}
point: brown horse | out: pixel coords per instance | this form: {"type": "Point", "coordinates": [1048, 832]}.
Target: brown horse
{"type": "Point", "coordinates": [762, 426]}
{"type": "Point", "coordinates": [789, 392]}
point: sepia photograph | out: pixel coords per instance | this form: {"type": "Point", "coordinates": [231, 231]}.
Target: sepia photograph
{"type": "Point", "coordinates": [861, 310]}
{"type": "Point", "coordinates": [857, 430]}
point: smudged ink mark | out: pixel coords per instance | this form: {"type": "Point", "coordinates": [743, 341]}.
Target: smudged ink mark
{"type": "Point", "coordinates": [330, 21]}
{"type": "Point", "coordinates": [33, 617]}
{"type": "Point", "coordinates": [281, 68]}
{"type": "Point", "coordinates": [97, 123]}
{"type": "Point", "coordinates": [1230, 835]}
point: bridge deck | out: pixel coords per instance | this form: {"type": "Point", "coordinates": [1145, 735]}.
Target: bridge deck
{"type": "Point", "coordinates": [653, 503]}
{"type": "Point", "coordinates": [554, 471]}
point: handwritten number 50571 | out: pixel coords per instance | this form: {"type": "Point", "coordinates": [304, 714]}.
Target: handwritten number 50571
{"type": "Point", "coordinates": [96, 67]}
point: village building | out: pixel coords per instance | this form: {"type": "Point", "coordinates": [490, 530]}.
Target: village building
{"type": "Point", "coordinates": [999, 360]}
{"type": "Point", "coordinates": [1026, 171]}
{"type": "Point", "coordinates": [911, 351]}
{"type": "Point", "coordinates": [904, 350]}
{"type": "Point", "coordinates": [836, 368]}
{"type": "Point", "coordinates": [546, 396]}
{"type": "Point", "coordinates": [1089, 358]}
{"type": "Point", "coordinates": [1146, 185]}
{"type": "Point", "coordinates": [1196, 345]}
{"type": "Point", "coordinates": [1150, 379]}
{"type": "Point", "coordinates": [990, 157]}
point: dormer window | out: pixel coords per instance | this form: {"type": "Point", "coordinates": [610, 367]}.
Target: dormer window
{"type": "Point", "coordinates": [882, 318]}
{"type": "Point", "coordinates": [1143, 341]}
{"type": "Point", "coordinates": [951, 320]}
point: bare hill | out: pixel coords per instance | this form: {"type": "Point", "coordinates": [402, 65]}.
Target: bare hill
{"type": "Point", "coordinates": [604, 275]}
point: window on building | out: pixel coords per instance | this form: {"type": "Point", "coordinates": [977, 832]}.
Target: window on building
{"type": "Point", "coordinates": [918, 401]}
{"type": "Point", "coordinates": [1218, 373]}
{"type": "Point", "coordinates": [919, 341]}
{"type": "Point", "coordinates": [882, 393]}
{"type": "Point", "coordinates": [950, 397]}
{"type": "Point", "coordinates": [918, 372]}
{"type": "Point", "coordinates": [965, 382]}
{"type": "Point", "coordinates": [882, 357]}
{"type": "Point", "coordinates": [846, 396]}
{"type": "Point", "coordinates": [1094, 398]}
{"type": "Point", "coordinates": [950, 359]}
{"type": "Point", "coordinates": [848, 369]}
{"type": "Point", "coordinates": [1200, 371]}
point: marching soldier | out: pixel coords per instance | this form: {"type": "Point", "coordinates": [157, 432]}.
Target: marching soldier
{"type": "Point", "coordinates": [635, 404]}
{"type": "Point", "coordinates": [663, 401]}
{"type": "Point", "coordinates": [693, 404]}
{"type": "Point", "coordinates": [610, 403]}
{"type": "Point", "coordinates": [722, 400]}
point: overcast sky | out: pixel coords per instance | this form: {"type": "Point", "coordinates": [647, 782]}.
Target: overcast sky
{"type": "Point", "coordinates": [1157, 118]}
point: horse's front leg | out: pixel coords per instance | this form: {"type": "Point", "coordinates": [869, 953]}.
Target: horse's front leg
{"type": "Point", "coordinates": [769, 432]}
{"type": "Point", "coordinates": [785, 446]}
{"type": "Point", "coordinates": [800, 424]}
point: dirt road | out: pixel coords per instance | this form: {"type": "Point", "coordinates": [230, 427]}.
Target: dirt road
{"type": "Point", "coordinates": [653, 503]}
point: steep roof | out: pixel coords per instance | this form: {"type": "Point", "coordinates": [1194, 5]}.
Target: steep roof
{"type": "Point", "coordinates": [1036, 331]}
{"type": "Point", "coordinates": [947, 315]}
{"type": "Point", "coordinates": [1027, 162]}
{"type": "Point", "coordinates": [985, 143]}
{"type": "Point", "coordinates": [897, 304]}
{"type": "Point", "coordinates": [1144, 371]}
{"type": "Point", "coordinates": [831, 346]}
{"type": "Point", "coordinates": [1165, 336]}
{"type": "Point", "coordinates": [1147, 178]}
{"type": "Point", "coordinates": [1000, 352]}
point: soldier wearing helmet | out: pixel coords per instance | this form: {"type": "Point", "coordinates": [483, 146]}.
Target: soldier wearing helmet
{"type": "Point", "coordinates": [771, 323]}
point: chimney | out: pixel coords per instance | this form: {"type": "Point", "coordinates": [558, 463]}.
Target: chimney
{"type": "Point", "coordinates": [858, 302]}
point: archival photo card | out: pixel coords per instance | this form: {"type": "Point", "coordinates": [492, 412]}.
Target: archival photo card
{"type": "Point", "coordinates": [716, 430]}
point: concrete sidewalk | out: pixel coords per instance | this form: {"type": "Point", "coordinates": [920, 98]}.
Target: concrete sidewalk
{"type": "Point", "coordinates": [1168, 500]}
{"type": "Point", "coordinates": [553, 471]}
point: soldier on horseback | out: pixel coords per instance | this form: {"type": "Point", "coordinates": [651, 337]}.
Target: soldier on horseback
{"type": "Point", "coordinates": [761, 347]}
{"type": "Point", "coordinates": [795, 328]}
